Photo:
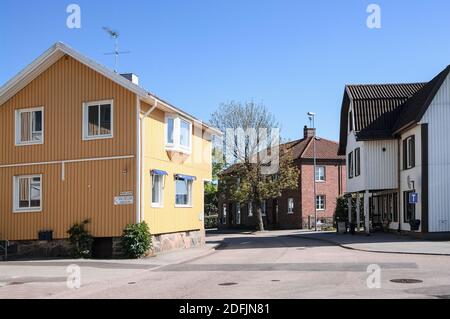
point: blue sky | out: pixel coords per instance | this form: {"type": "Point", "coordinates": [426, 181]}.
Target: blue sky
{"type": "Point", "coordinates": [295, 56]}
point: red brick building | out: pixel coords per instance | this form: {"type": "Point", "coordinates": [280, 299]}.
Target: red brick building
{"type": "Point", "coordinates": [295, 208]}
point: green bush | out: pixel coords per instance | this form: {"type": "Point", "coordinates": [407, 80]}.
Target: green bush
{"type": "Point", "coordinates": [341, 210]}
{"type": "Point", "coordinates": [80, 240]}
{"type": "Point", "coordinates": [136, 240]}
{"type": "Point", "coordinates": [211, 221]}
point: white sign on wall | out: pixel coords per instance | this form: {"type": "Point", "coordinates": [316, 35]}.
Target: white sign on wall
{"type": "Point", "coordinates": [124, 200]}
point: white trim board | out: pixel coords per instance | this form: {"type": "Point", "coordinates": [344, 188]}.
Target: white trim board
{"type": "Point", "coordinates": [68, 161]}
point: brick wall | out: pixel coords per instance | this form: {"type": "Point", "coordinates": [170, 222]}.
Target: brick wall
{"type": "Point", "coordinates": [303, 196]}
{"type": "Point", "coordinates": [331, 188]}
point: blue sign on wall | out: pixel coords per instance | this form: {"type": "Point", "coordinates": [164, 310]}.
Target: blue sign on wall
{"type": "Point", "coordinates": [413, 198]}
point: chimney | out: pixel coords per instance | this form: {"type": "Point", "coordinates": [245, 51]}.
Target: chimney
{"type": "Point", "coordinates": [131, 77]}
{"type": "Point", "coordinates": [308, 132]}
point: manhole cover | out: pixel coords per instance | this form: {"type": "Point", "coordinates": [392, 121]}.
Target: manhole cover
{"type": "Point", "coordinates": [443, 297]}
{"type": "Point", "coordinates": [275, 280]}
{"type": "Point", "coordinates": [228, 284]}
{"type": "Point", "coordinates": [132, 283]}
{"type": "Point", "coordinates": [407, 281]}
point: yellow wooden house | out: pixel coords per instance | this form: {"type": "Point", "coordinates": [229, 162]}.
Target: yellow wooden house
{"type": "Point", "coordinates": [79, 141]}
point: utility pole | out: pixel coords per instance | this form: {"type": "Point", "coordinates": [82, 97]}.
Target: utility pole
{"type": "Point", "coordinates": [311, 116]}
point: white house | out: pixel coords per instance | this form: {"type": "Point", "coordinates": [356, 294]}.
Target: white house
{"type": "Point", "coordinates": [397, 143]}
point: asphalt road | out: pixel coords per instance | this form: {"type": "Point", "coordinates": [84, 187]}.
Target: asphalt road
{"type": "Point", "coordinates": [265, 265]}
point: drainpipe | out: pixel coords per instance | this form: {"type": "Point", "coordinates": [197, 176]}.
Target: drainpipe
{"type": "Point", "coordinates": [138, 159]}
{"type": "Point", "coordinates": [139, 213]}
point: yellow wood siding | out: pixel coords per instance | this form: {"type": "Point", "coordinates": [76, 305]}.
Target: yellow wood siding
{"type": "Point", "coordinates": [87, 192]}
{"type": "Point", "coordinates": [61, 90]}
{"type": "Point", "coordinates": [170, 218]}
{"type": "Point", "coordinates": [89, 187]}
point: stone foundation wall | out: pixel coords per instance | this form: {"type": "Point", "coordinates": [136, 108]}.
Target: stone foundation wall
{"type": "Point", "coordinates": [59, 248]}
{"type": "Point", "coordinates": [180, 240]}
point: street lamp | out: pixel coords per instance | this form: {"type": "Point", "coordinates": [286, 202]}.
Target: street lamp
{"type": "Point", "coordinates": [311, 116]}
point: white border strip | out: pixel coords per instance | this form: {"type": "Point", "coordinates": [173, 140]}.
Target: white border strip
{"type": "Point", "coordinates": [68, 161]}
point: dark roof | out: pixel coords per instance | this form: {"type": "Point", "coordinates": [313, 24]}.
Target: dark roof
{"type": "Point", "coordinates": [325, 149]}
{"type": "Point", "coordinates": [303, 149]}
{"type": "Point", "coordinates": [382, 110]}
{"type": "Point", "coordinates": [413, 109]}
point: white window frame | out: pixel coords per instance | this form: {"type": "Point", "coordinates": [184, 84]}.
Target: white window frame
{"type": "Point", "coordinates": [159, 204]}
{"type": "Point", "coordinates": [176, 145]}
{"type": "Point", "coordinates": [324, 200]}
{"type": "Point", "coordinates": [318, 180]}
{"type": "Point", "coordinates": [85, 126]}
{"type": "Point", "coordinates": [238, 213]}
{"type": "Point", "coordinates": [16, 208]}
{"type": "Point", "coordinates": [250, 209]}
{"type": "Point", "coordinates": [18, 127]}
{"type": "Point", "coordinates": [290, 208]}
{"type": "Point", "coordinates": [224, 214]}
{"type": "Point", "coordinates": [190, 191]}
{"type": "Point", "coordinates": [409, 149]}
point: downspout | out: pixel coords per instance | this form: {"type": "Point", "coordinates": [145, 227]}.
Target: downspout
{"type": "Point", "coordinates": [140, 124]}
{"type": "Point", "coordinates": [138, 159]}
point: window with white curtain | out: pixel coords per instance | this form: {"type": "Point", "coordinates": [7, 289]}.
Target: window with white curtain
{"type": "Point", "coordinates": [178, 134]}
{"type": "Point", "coordinates": [27, 193]}
{"type": "Point", "coordinates": [157, 190]}
{"type": "Point", "coordinates": [290, 205]}
{"type": "Point", "coordinates": [30, 126]}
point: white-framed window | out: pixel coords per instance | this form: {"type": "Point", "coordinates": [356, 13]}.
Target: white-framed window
{"type": "Point", "coordinates": [290, 205]}
{"type": "Point", "coordinates": [27, 193]}
{"type": "Point", "coordinates": [29, 126]}
{"type": "Point", "coordinates": [224, 214]}
{"type": "Point", "coordinates": [250, 209]}
{"type": "Point", "coordinates": [409, 151]}
{"type": "Point", "coordinates": [157, 190]}
{"type": "Point", "coordinates": [263, 208]}
{"type": "Point", "coordinates": [183, 192]}
{"type": "Point", "coordinates": [350, 165]}
{"type": "Point", "coordinates": [98, 120]}
{"type": "Point", "coordinates": [357, 162]}
{"type": "Point", "coordinates": [320, 173]}
{"type": "Point", "coordinates": [320, 202]}
{"type": "Point", "coordinates": [178, 134]}
{"type": "Point", "coordinates": [238, 213]}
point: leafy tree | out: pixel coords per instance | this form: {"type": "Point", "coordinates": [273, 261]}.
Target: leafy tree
{"type": "Point", "coordinates": [248, 177]}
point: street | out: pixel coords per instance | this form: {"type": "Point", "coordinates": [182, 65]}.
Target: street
{"type": "Point", "coordinates": [277, 264]}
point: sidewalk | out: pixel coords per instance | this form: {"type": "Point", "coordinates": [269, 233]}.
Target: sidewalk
{"type": "Point", "coordinates": [383, 243]}
{"type": "Point", "coordinates": [48, 278]}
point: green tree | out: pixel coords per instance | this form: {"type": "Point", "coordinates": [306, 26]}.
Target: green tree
{"type": "Point", "coordinates": [247, 177]}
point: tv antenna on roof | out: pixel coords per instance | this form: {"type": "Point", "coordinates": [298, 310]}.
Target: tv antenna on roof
{"type": "Point", "coordinates": [115, 35]}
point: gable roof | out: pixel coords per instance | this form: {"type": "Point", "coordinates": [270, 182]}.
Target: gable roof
{"type": "Point", "coordinates": [376, 108]}
{"type": "Point", "coordinates": [415, 107]}
{"type": "Point", "coordinates": [57, 51]}
{"type": "Point", "coordinates": [325, 149]}
{"type": "Point", "coordinates": [301, 149]}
